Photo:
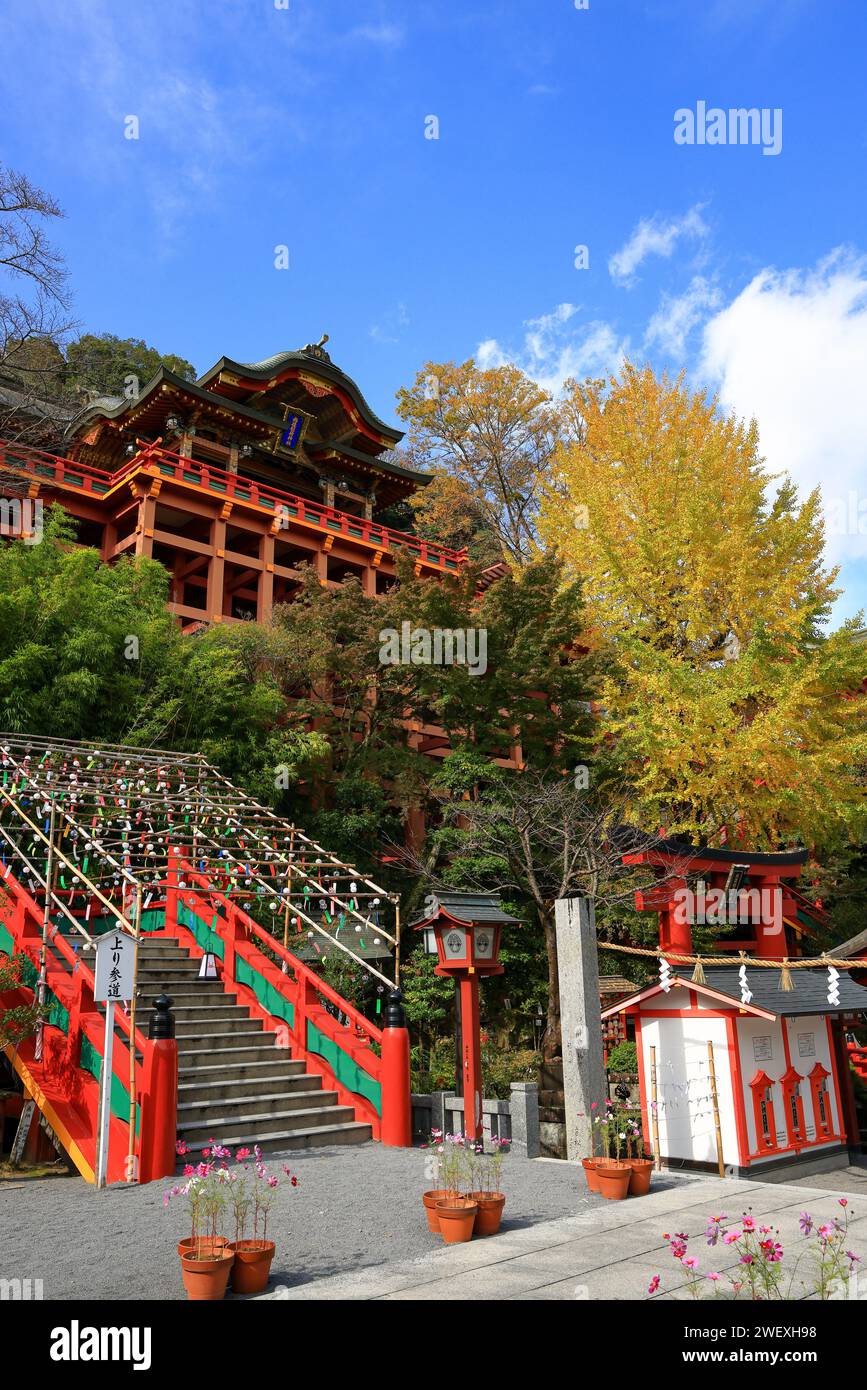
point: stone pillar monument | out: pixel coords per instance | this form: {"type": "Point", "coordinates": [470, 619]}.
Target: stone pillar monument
{"type": "Point", "coordinates": [583, 1073]}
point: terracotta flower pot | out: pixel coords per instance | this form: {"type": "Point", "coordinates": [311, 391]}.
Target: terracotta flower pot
{"type": "Point", "coordinates": [457, 1217]}
{"type": "Point", "coordinates": [589, 1166]}
{"type": "Point", "coordinates": [205, 1246]}
{"type": "Point", "coordinates": [613, 1179]}
{"type": "Point", "coordinates": [252, 1265]}
{"type": "Point", "coordinates": [490, 1212]}
{"type": "Point", "coordinates": [206, 1278]}
{"type": "Point", "coordinates": [639, 1181]}
{"type": "Point", "coordinates": [430, 1200]}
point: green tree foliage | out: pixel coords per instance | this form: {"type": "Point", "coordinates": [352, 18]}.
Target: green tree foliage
{"type": "Point", "coordinates": [103, 362]}
{"type": "Point", "coordinates": [89, 651]}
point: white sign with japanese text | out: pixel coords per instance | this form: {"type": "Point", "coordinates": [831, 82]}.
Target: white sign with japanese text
{"type": "Point", "coordinates": [115, 961]}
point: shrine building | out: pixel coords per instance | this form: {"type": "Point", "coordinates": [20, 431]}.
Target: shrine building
{"type": "Point", "coordinates": [234, 481]}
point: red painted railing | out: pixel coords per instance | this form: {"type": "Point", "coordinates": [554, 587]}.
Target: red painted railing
{"type": "Point", "coordinates": [379, 1096]}
{"type": "Point", "coordinates": [154, 461]}
{"type": "Point", "coordinates": [66, 1088]}
{"type": "Point", "coordinates": [858, 1058]}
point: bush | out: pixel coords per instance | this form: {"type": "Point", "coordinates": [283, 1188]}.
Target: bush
{"type": "Point", "coordinates": [623, 1058]}
{"type": "Point", "coordinates": [433, 1069]}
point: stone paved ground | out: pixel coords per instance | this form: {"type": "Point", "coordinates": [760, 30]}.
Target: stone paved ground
{"type": "Point", "coordinates": [355, 1228]}
{"type": "Point", "coordinates": [355, 1208]}
{"type": "Point", "coordinates": [609, 1252]}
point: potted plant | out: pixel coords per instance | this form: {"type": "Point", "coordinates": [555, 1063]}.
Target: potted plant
{"type": "Point", "coordinates": [589, 1164]}
{"type": "Point", "coordinates": [486, 1171]}
{"type": "Point", "coordinates": [641, 1166]}
{"type": "Point", "coordinates": [253, 1190]}
{"type": "Point", "coordinates": [456, 1212]}
{"type": "Point", "coordinates": [205, 1256]}
{"type": "Point", "coordinates": [612, 1171]}
{"type": "Point", "coordinates": [434, 1194]}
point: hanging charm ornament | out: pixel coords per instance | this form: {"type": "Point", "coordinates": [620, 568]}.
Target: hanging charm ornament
{"type": "Point", "coordinates": [786, 983]}
{"type": "Point", "coordinates": [698, 975]}
{"type": "Point", "coordinates": [746, 994]}
{"type": "Point", "coordinates": [664, 974]}
{"type": "Point", "coordinates": [833, 986]}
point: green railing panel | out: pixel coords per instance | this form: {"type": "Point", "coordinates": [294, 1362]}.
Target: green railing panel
{"type": "Point", "coordinates": [7, 945]}
{"type": "Point", "coordinates": [57, 1014]}
{"type": "Point", "coordinates": [206, 939]}
{"type": "Point", "coordinates": [91, 1061]}
{"type": "Point", "coordinates": [154, 919]}
{"type": "Point", "coordinates": [269, 997]}
{"type": "Point", "coordinates": [348, 1072]}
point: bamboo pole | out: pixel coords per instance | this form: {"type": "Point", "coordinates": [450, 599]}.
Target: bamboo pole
{"type": "Point", "coordinates": [288, 896]}
{"type": "Point", "coordinates": [131, 1165]}
{"type": "Point", "coordinates": [397, 943]}
{"type": "Point", "coordinates": [46, 923]}
{"type": "Point", "coordinates": [654, 1121]}
{"type": "Point", "coordinates": [715, 1099]}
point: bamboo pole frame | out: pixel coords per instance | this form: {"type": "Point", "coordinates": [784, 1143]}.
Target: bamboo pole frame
{"type": "Point", "coordinates": [715, 1101]}
{"type": "Point", "coordinates": [654, 1110]}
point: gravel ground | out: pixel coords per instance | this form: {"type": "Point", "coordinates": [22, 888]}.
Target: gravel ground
{"type": "Point", "coordinates": [355, 1207]}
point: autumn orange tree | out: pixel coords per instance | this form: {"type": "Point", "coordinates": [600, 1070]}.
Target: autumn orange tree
{"type": "Point", "coordinates": [486, 435]}
{"type": "Point", "coordinates": [732, 707]}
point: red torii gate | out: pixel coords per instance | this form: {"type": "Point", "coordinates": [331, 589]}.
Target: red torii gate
{"type": "Point", "coordinates": [729, 878]}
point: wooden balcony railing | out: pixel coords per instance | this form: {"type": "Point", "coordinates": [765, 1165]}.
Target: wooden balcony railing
{"type": "Point", "coordinates": [24, 461]}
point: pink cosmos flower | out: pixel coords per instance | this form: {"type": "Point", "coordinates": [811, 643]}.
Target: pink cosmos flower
{"type": "Point", "coordinates": [691, 1262]}
{"type": "Point", "coordinates": [730, 1237]}
{"type": "Point", "coordinates": [714, 1277]}
{"type": "Point", "coordinates": [749, 1224]}
{"type": "Point", "coordinates": [843, 1201]}
{"type": "Point", "coordinates": [654, 1284]}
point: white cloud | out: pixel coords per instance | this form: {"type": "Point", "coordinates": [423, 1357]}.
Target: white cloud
{"type": "Point", "coordinates": [678, 315]}
{"type": "Point", "coordinates": [390, 326]}
{"type": "Point", "coordinates": [385, 35]}
{"type": "Point", "coordinates": [655, 236]}
{"type": "Point", "coordinates": [790, 351]}
{"type": "Point", "coordinates": [552, 351]}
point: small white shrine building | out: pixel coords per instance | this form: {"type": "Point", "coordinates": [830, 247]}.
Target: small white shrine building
{"type": "Point", "coordinates": [782, 1079]}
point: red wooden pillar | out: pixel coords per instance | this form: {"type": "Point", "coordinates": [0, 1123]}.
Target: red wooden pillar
{"type": "Point", "coordinates": [472, 1056]}
{"type": "Point", "coordinates": [770, 929]}
{"type": "Point", "coordinates": [675, 931]}
{"type": "Point", "coordinates": [159, 1098]}
{"type": "Point", "coordinates": [396, 1130]}
{"type": "Point", "coordinates": [171, 927]}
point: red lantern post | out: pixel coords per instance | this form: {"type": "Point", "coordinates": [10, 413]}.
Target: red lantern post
{"type": "Point", "coordinates": [463, 931]}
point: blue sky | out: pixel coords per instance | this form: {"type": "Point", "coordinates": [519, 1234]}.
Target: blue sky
{"type": "Point", "coordinates": [304, 126]}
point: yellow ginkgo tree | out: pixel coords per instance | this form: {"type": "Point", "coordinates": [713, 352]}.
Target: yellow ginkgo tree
{"type": "Point", "coordinates": [736, 713]}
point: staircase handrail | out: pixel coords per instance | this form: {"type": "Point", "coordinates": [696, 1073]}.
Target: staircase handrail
{"type": "Point", "coordinates": [303, 972]}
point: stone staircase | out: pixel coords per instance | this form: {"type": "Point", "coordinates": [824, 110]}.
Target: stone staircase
{"type": "Point", "coordinates": [234, 1084]}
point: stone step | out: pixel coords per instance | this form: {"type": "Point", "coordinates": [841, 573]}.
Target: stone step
{"type": "Point", "coordinates": [245, 1069]}
{"type": "Point", "coordinates": [246, 1089]}
{"type": "Point", "coordinates": [197, 1039]}
{"type": "Point", "coordinates": [212, 1126]}
{"type": "Point", "coordinates": [194, 1055]}
{"type": "Point", "coordinates": [205, 990]}
{"type": "Point", "coordinates": [197, 1012]}
{"type": "Point", "coordinates": [179, 968]}
{"type": "Point", "coordinates": [263, 1109]}
{"type": "Point", "coordinates": [216, 1021]}
{"type": "Point", "coordinates": [277, 1141]}
{"type": "Point", "coordinates": [152, 950]}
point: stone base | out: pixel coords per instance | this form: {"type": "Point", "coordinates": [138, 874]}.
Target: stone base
{"type": "Point", "coordinates": [552, 1140]}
